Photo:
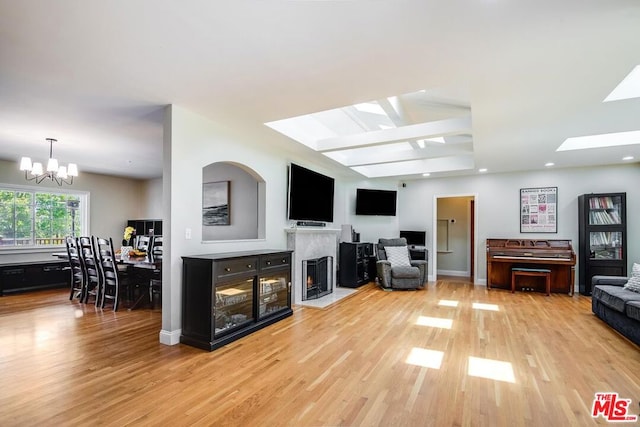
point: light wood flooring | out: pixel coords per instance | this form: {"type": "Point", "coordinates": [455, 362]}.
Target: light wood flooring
{"type": "Point", "coordinates": [374, 359]}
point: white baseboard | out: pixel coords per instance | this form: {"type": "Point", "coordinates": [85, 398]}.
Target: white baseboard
{"type": "Point", "coordinates": [170, 337]}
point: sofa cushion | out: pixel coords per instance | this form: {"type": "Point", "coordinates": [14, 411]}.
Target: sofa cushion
{"type": "Point", "coordinates": [405, 272]}
{"type": "Point", "coordinates": [398, 256]}
{"type": "Point", "coordinates": [614, 297]}
{"type": "Point", "coordinates": [633, 310]}
{"type": "Point", "coordinates": [633, 284]}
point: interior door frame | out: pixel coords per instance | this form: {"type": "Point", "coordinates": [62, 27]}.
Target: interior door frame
{"type": "Point", "coordinates": [474, 235]}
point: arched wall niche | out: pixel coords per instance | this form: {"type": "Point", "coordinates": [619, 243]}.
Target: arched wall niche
{"type": "Point", "coordinates": [246, 202]}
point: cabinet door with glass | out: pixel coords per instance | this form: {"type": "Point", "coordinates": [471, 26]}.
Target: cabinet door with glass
{"type": "Point", "coordinates": [274, 287]}
{"type": "Point", "coordinates": [233, 306]}
{"type": "Point", "coordinates": [602, 237]}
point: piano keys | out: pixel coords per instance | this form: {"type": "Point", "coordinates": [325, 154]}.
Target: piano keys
{"type": "Point", "coordinates": [553, 254]}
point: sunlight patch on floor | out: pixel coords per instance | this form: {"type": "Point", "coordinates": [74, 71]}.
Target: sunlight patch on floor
{"type": "Point", "coordinates": [491, 369]}
{"type": "Point", "coordinates": [425, 358]}
{"type": "Point", "coordinates": [482, 306]}
{"type": "Point", "coordinates": [448, 303]}
{"type": "Point", "coordinates": [435, 322]}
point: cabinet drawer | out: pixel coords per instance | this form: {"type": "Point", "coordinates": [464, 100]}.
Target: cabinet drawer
{"type": "Point", "coordinates": [232, 267]}
{"type": "Point", "coordinates": [273, 261]}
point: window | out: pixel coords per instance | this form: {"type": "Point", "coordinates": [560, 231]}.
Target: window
{"type": "Point", "coordinates": [36, 218]}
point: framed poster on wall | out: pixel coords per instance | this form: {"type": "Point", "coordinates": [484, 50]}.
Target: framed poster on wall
{"type": "Point", "coordinates": [538, 210]}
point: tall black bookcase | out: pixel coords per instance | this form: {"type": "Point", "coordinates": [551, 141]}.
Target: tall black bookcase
{"type": "Point", "coordinates": [602, 235]}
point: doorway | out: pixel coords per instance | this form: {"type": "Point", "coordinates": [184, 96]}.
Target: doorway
{"type": "Point", "coordinates": [454, 241]}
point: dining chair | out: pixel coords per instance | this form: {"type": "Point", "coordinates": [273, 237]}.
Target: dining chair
{"type": "Point", "coordinates": [75, 265]}
{"type": "Point", "coordinates": [142, 243]}
{"type": "Point", "coordinates": [111, 280]}
{"type": "Point", "coordinates": [155, 284]}
{"type": "Point", "coordinates": [90, 268]}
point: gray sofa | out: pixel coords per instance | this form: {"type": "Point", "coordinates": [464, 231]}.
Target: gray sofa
{"type": "Point", "coordinates": [618, 307]}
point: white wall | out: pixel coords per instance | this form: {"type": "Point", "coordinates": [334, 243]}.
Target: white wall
{"type": "Point", "coordinates": [152, 199]}
{"type": "Point", "coordinates": [498, 203]}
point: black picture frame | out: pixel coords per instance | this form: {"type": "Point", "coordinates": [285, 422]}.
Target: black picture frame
{"type": "Point", "coordinates": [539, 210]}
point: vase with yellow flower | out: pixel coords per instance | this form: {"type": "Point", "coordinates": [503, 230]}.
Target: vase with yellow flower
{"type": "Point", "coordinates": [127, 242]}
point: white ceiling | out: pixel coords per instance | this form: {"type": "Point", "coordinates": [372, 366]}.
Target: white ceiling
{"type": "Point", "coordinates": [96, 75]}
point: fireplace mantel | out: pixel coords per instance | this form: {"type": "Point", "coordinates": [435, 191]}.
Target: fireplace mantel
{"type": "Point", "coordinates": [310, 243]}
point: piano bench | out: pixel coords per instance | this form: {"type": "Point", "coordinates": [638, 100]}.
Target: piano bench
{"type": "Point", "coordinates": [536, 272]}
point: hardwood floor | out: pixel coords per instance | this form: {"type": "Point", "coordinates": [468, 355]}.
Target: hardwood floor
{"type": "Point", "coordinates": [357, 363]}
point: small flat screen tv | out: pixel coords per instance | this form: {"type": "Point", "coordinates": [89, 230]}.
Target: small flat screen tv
{"type": "Point", "coordinates": [310, 195]}
{"type": "Point", "coordinates": [414, 238]}
{"type": "Point", "coordinates": [375, 202]}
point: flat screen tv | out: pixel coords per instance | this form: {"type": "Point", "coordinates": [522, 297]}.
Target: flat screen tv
{"type": "Point", "coordinates": [310, 195]}
{"type": "Point", "coordinates": [414, 238]}
{"type": "Point", "coordinates": [375, 202]}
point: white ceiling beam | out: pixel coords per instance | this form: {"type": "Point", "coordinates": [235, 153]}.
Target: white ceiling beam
{"type": "Point", "coordinates": [395, 113]}
{"type": "Point", "coordinates": [419, 131]}
{"type": "Point", "coordinates": [415, 167]}
{"type": "Point", "coordinates": [372, 155]}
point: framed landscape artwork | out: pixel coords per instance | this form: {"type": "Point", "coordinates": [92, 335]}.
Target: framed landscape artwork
{"type": "Point", "coordinates": [215, 203]}
{"type": "Point", "coordinates": [538, 210]}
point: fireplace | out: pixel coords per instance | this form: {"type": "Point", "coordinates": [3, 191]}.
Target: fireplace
{"type": "Point", "coordinates": [317, 277]}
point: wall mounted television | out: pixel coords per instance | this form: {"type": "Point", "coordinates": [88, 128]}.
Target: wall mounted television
{"type": "Point", "coordinates": [414, 238]}
{"type": "Point", "coordinates": [310, 195]}
{"type": "Point", "coordinates": [375, 202]}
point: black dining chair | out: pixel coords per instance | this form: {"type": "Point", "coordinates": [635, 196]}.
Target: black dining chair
{"type": "Point", "coordinates": [155, 256]}
{"type": "Point", "coordinates": [90, 269]}
{"type": "Point", "coordinates": [75, 265]}
{"type": "Point", "coordinates": [112, 283]}
{"type": "Point", "coordinates": [143, 243]}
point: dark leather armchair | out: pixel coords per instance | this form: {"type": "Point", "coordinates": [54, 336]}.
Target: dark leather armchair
{"type": "Point", "coordinates": [399, 276]}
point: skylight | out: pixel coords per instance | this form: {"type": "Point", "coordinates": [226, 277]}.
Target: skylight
{"type": "Point", "coordinates": [628, 88]}
{"type": "Point", "coordinates": [600, 141]}
{"type": "Point", "coordinates": [370, 107]}
{"type": "Point", "coordinates": [391, 136]}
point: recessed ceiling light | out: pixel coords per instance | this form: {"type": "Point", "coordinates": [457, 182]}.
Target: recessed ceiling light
{"type": "Point", "coordinates": [600, 141]}
{"type": "Point", "coordinates": [426, 174]}
{"type": "Point", "coordinates": [627, 158]}
{"type": "Point", "coordinates": [549, 164]}
{"type": "Point", "coordinates": [628, 88]}
{"type": "Point", "coordinates": [482, 170]}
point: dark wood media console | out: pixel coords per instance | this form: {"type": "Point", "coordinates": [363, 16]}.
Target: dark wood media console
{"type": "Point", "coordinates": [229, 295]}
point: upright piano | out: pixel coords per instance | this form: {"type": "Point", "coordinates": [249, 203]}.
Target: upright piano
{"type": "Point", "coordinates": [555, 255]}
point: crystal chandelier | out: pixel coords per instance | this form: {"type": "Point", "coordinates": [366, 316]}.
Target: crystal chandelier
{"type": "Point", "coordinates": [58, 174]}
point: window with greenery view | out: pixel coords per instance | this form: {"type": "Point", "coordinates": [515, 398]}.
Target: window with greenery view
{"type": "Point", "coordinates": [39, 218]}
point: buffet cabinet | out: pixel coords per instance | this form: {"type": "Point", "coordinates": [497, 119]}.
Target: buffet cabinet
{"type": "Point", "coordinates": [20, 277]}
{"type": "Point", "coordinates": [226, 296]}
